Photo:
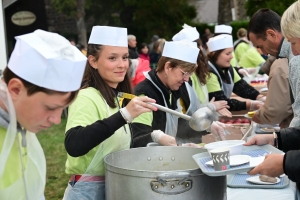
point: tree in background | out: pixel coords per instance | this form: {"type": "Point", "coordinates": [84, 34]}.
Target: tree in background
{"type": "Point", "coordinates": [278, 6]}
{"type": "Point", "coordinates": [225, 14]}
{"type": "Point", "coordinates": [142, 18]}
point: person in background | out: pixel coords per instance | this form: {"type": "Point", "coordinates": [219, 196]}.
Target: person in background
{"type": "Point", "coordinates": [198, 78]}
{"type": "Point", "coordinates": [153, 40]}
{"type": "Point", "coordinates": [138, 67]}
{"type": "Point", "coordinates": [286, 139]}
{"type": "Point", "coordinates": [133, 53]}
{"type": "Point", "coordinates": [224, 79]}
{"type": "Point", "coordinates": [42, 78]}
{"type": "Point", "coordinates": [98, 121]}
{"type": "Point", "coordinates": [156, 53]}
{"type": "Point", "coordinates": [264, 31]}
{"type": "Point", "coordinates": [242, 44]}
{"type": "Point", "coordinates": [168, 85]}
{"type": "Point", "coordinates": [278, 107]}
{"type": "Point", "coordinates": [144, 52]}
{"type": "Point", "coordinates": [207, 34]}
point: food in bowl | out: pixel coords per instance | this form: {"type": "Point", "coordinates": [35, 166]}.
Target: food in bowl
{"type": "Point", "coordinates": [235, 146]}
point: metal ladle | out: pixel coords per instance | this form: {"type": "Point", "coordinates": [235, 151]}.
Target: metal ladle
{"type": "Point", "coordinates": [199, 121]}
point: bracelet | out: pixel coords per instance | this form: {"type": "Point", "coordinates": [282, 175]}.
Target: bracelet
{"type": "Point", "coordinates": [126, 115]}
{"type": "Point", "coordinates": [156, 135]}
{"type": "Point", "coordinates": [275, 140]}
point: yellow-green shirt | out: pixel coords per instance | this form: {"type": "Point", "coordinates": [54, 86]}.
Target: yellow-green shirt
{"type": "Point", "coordinates": [13, 168]}
{"type": "Point", "coordinates": [213, 84]}
{"type": "Point", "coordinates": [88, 107]}
{"type": "Point", "coordinates": [198, 88]}
{"type": "Point", "coordinates": [251, 59]}
{"type": "Point", "coordinates": [240, 50]}
{"type": "Point", "coordinates": [233, 61]}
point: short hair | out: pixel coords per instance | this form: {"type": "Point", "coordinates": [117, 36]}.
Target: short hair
{"type": "Point", "coordinates": [130, 37]}
{"type": "Point", "coordinates": [189, 67]}
{"type": "Point", "coordinates": [262, 20]}
{"type": "Point", "coordinates": [290, 21]}
{"type": "Point", "coordinates": [32, 88]}
{"type": "Point", "coordinates": [241, 33]}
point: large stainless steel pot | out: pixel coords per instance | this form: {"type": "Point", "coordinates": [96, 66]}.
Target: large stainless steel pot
{"type": "Point", "coordinates": [160, 173]}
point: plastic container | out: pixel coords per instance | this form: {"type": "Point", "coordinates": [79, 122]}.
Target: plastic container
{"type": "Point", "coordinates": [235, 146]}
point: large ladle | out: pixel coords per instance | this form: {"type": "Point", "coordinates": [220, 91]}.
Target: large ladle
{"type": "Point", "coordinates": [199, 121]}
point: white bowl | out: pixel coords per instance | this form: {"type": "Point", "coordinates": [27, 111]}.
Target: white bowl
{"type": "Point", "coordinates": [235, 146]}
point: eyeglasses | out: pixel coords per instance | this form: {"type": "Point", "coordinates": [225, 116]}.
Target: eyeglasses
{"type": "Point", "coordinates": [185, 74]}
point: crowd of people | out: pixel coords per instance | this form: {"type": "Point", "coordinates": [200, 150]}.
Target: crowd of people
{"type": "Point", "coordinates": [47, 73]}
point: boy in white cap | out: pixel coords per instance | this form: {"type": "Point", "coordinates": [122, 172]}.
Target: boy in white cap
{"type": "Point", "coordinates": [42, 78]}
{"type": "Point", "coordinates": [98, 121]}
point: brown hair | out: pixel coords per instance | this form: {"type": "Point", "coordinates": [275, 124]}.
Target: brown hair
{"type": "Point", "coordinates": [190, 67]}
{"type": "Point", "coordinates": [213, 56]}
{"type": "Point", "coordinates": [92, 78]}
{"type": "Point", "coordinates": [31, 88]}
{"type": "Point", "coordinates": [241, 33]}
{"type": "Point", "coordinates": [202, 71]}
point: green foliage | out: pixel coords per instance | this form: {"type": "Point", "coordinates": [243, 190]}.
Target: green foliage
{"type": "Point", "coordinates": [278, 6]}
{"type": "Point", "coordinates": [142, 18]}
{"type": "Point", "coordinates": [52, 141]}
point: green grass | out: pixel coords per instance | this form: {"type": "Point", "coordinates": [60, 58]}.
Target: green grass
{"type": "Point", "coordinates": [52, 141]}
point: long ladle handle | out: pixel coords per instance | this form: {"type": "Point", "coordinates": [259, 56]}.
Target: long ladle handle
{"type": "Point", "coordinates": [173, 112]}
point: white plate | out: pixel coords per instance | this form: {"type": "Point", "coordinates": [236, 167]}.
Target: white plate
{"type": "Point", "coordinates": [234, 160]}
{"type": "Point", "coordinates": [256, 180]}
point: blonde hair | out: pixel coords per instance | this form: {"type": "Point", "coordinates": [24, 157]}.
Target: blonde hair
{"type": "Point", "coordinates": [290, 25]}
{"type": "Point", "coordinates": [241, 33]}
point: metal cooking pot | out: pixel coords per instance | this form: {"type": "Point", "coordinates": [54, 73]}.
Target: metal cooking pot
{"type": "Point", "coordinates": [160, 173]}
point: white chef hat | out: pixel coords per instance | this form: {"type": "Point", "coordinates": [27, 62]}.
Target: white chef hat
{"type": "Point", "coordinates": [187, 33]}
{"type": "Point", "coordinates": [219, 42]}
{"type": "Point", "coordinates": [107, 35]}
{"type": "Point", "coordinates": [223, 29]}
{"type": "Point", "coordinates": [182, 50]}
{"type": "Point", "coordinates": [48, 60]}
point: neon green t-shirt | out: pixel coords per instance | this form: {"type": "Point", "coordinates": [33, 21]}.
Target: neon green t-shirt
{"type": "Point", "coordinates": [213, 84]}
{"type": "Point", "coordinates": [251, 59]}
{"type": "Point", "coordinates": [13, 168]}
{"type": "Point", "coordinates": [198, 88]}
{"type": "Point", "coordinates": [240, 50]}
{"type": "Point", "coordinates": [233, 61]}
{"type": "Point", "coordinates": [88, 107]}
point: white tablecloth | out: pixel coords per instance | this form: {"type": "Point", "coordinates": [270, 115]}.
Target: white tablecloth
{"type": "Point", "coordinates": [287, 193]}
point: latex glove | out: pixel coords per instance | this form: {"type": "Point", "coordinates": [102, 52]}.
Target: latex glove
{"type": "Point", "coordinates": [191, 145]}
{"type": "Point", "coordinates": [163, 139]}
{"type": "Point", "coordinates": [217, 105]}
{"type": "Point", "coordinates": [224, 112]}
{"type": "Point", "coordinates": [217, 129]}
{"type": "Point", "coordinates": [262, 99]}
{"type": "Point", "coordinates": [251, 70]}
{"type": "Point", "coordinates": [244, 72]}
{"type": "Point", "coordinates": [255, 105]}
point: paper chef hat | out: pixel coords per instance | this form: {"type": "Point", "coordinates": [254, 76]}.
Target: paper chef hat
{"type": "Point", "coordinates": [48, 60]}
{"type": "Point", "coordinates": [107, 35]}
{"type": "Point", "coordinates": [223, 29]}
{"type": "Point", "coordinates": [187, 33]}
{"type": "Point", "coordinates": [182, 50]}
{"type": "Point", "coordinates": [219, 42]}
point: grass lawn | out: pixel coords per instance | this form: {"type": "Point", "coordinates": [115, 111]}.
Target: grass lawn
{"type": "Point", "coordinates": [52, 141]}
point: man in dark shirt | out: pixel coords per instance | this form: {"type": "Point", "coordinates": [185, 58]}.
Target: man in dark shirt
{"type": "Point", "coordinates": [133, 53]}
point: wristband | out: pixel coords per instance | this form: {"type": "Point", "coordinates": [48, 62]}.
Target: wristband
{"type": "Point", "coordinates": [156, 135]}
{"type": "Point", "coordinates": [126, 115]}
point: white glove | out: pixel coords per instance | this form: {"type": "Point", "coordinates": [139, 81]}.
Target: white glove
{"type": "Point", "coordinates": [217, 105]}
{"type": "Point", "coordinates": [251, 70]}
{"type": "Point", "coordinates": [163, 139]}
{"type": "Point", "coordinates": [244, 72]}
{"type": "Point", "coordinates": [262, 99]}
{"type": "Point", "coordinates": [255, 105]}
{"type": "Point", "coordinates": [217, 129]}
